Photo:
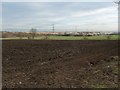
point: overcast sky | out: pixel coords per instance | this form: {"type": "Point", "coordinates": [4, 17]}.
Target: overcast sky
{"type": "Point", "coordinates": [67, 16]}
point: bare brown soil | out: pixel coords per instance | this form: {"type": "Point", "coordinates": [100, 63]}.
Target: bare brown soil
{"type": "Point", "coordinates": [59, 64]}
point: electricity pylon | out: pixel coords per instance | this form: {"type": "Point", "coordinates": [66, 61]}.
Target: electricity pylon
{"type": "Point", "coordinates": [53, 28]}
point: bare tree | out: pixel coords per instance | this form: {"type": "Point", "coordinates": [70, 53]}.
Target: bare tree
{"type": "Point", "coordinates": [33, 33]}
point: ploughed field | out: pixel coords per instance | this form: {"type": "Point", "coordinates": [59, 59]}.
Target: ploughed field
{"type": "Point", "coordinates": [59, 64]}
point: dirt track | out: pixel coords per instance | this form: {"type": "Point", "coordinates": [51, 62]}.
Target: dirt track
{"type": "Point", "coordinates": [56, 64]}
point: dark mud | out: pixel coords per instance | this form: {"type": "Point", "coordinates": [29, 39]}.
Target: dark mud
{"type": "Point", "coordinates": [59, 64]}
